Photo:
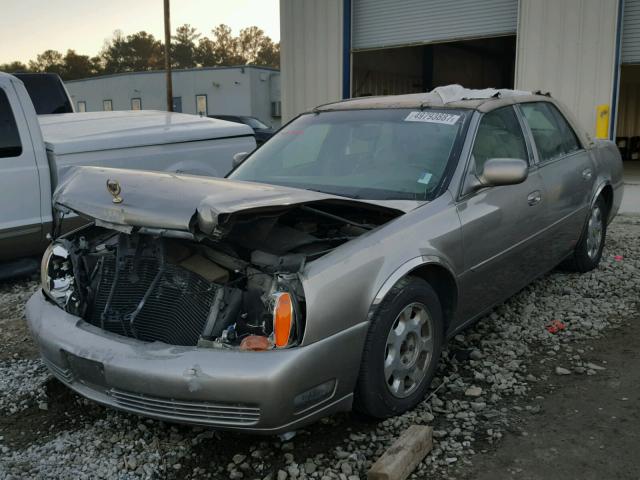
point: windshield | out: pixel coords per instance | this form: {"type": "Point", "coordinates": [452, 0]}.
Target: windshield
{"type": "Point", "coordinates": [255, 123]}
{"type": "Point", "coordinates": [383, 154]}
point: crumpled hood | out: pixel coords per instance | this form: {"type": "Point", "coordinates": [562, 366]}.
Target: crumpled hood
{"type": "Point", "coordinates": [169, 201]}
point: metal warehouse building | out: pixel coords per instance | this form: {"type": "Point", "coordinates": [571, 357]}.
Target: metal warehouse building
{"type": "Point", "coordinates": [242, 90]}
{"type": "Point", "coordinates": [585, 52]}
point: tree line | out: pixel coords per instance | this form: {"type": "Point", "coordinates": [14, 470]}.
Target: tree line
{"type": "Point", "coordinates": [142, 51]}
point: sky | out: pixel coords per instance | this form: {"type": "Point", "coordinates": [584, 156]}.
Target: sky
{"type": "Point", "coordinates": [29, 27]}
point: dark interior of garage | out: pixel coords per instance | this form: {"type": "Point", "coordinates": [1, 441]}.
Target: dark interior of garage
{"type": "Point", "coordinates": [480, 63]}
{"type": "Point", "coordinates": [628, 121]}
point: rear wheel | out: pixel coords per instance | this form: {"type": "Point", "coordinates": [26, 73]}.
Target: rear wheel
{"type": "Point", "coordinates": [401, 350]}
{"type": "Point", "coordinates": [588, 251]}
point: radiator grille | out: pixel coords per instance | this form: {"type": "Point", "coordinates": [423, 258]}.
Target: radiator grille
{"type": "Point", "coordinates": [204, 413]}
{"type": "Point", "coordinates": [174, 312]}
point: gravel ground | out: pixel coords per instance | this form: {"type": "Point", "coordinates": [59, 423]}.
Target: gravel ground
{"type": "Point", "coordinates": [483, 383]}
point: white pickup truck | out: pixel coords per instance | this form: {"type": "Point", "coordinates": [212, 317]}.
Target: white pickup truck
{"type": "Point", "coordinates": [35, 151]}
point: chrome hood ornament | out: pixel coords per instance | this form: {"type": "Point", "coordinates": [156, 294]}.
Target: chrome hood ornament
{"type": "Point", "coordinates": [113, 187]}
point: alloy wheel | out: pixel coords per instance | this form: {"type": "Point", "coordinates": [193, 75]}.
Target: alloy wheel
{"type": "Point", "coordinates": [409, 350]}
{"type": "Point", "coordinates": [594, 232]}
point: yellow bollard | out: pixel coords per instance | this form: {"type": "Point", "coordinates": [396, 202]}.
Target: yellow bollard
{"type": "Point", "coordinates": [602, 121]}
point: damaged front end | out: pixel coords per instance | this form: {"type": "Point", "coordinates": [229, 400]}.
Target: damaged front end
{"type": "Point", "coordinates": [172, 291]}
{"type": "Point", "coordinates": [235, 286]}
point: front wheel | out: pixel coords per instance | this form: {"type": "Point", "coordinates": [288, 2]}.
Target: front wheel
{"type": "Point", "coordinates": [588, 251]}
{"type": "Point", "coordinates": [401, 351]}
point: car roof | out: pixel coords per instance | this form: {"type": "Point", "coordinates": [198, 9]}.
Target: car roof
{"type": "Point", "coordinates": [458, 97]}
{"type": "Point", "coordinates": [449, 96]}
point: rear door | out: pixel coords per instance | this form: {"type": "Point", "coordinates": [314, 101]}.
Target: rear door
{"type": "Point", "coordinates": [567, 173]}
{"type": "Point", "coordinates": [20, 216]}
{"type": "Point", "coordinates": [501, 224]}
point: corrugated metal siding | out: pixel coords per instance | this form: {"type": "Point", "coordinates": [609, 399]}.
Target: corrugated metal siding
{"type": "Point", "coordinates": [310, 54]}
{"type": "Point", "coordinates": [385, 23]}
{"type": "Point", "coordinates": [631, 32]}
{"type": "Point", "coordinates": [568, 49]}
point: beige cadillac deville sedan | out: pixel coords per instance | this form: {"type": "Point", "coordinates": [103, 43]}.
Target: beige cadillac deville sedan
{"type": "Point", "coordinates": [329, 268]}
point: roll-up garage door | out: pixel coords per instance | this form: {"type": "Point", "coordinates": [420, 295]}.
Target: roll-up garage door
{"type": "Point", "coordinates": [388, 23]}
{"type": "Point", "coordinates": [631, 32]}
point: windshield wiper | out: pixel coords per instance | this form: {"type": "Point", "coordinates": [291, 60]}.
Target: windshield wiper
{"type": "Point", "coordinates": [380, 194]}
{"type": "Point", "coordinates": [336, 217]}
{"type": "Point", "coordinates": [330, 193]}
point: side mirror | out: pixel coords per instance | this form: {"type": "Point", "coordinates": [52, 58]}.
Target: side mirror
{"type": "Point", "coordinates": [503, 171]}
{"type": "Point", "coordinates": [238, 158]}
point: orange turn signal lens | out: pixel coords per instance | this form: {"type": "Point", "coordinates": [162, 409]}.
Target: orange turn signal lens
{"type": "Point", "coordinates": [282, 319]}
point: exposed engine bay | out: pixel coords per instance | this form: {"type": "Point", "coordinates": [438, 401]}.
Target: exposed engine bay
{"type": "Point", "coordinates": [240, 289]}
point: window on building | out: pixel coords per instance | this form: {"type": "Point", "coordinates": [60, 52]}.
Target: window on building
{"type": "Point", "coordinates": [552, 133]}
{"type": "Point", "coordinates": [201, 104]}
{"type": "Point", "coordinates": [82, 106]}
{"type": "Point", "coordinates": [499, 136]}
{"type": "Point", "coordinates": [177, 104]}
{"type": "Point", "coordinates": [136, 104]}
{"type": "Point", "coordinates": [107, 105]}
{"type": "Point", "coordinates": [10, 145]}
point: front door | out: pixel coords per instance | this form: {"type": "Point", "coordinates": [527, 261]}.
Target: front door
{"type": "Point", "coordinates": [20, 216]}
{"type": "Point", "coordinates": [500, 224]}
{"type": "Point", "coordinates": [567, 173]}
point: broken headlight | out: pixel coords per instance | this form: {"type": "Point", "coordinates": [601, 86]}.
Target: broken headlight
{"type": "Point", "coordinates": [56, 274]}
{"type": "Point", "coordinates": [283, 319]}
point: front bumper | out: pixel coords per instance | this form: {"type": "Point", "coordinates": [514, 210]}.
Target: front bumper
{"type": "Point", "coordinates": [226, 389]}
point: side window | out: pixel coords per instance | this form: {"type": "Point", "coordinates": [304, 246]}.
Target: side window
{"type": "Point", "coordinates": [499, 136]}
{"type": "Point", "coordinates": [570, 141]}
{"type": "Point", "coordinates": [552, 133]}
{"type": "Point", "coordinates": [10, 145]}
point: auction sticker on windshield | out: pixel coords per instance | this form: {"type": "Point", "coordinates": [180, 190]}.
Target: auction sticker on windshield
{"type": "Point", "coordinates": [432, 117]}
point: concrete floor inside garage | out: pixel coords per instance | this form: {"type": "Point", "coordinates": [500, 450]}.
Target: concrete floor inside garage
{"type": "Point", "coordinates": [631, 198]}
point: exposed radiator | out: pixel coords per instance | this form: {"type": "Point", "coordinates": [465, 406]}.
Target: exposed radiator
{"type": "Point", "coordinates": [175, 302]}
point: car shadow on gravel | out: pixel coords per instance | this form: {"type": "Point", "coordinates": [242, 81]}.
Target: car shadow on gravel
{"type": "Point", "coordinates": [63, 410]}
{"type": "Point", "coordinates": [585, 426]}
{"type": "Point", "coordinates": [16, 340]}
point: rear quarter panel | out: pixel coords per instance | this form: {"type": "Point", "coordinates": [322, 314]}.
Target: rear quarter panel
{"type": "Point", "coordinates": [608, 171]}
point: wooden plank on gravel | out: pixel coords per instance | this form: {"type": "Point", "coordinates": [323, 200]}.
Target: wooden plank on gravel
{"type": "Point", "coordinates": [404, 455]}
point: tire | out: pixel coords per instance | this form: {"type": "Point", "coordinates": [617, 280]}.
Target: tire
{"type": "Point", "coordinates": [408, 307]}
{"type": "Point", "coordinates": [588, 251]}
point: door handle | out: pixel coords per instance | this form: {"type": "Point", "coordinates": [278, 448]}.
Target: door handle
{"type": "Point", "coordinates": [534, 197]}
{"type": "Point", "coordinates": [586, 174]}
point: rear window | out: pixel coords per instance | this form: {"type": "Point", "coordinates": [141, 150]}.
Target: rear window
{"type": "Point", "coordinates": [255, 123]}
{"type": "Point", "coordinates": [10, 145]}
{"type": "Point", "coordinates": [553, 135]}
{"type": "Point", "coordinates": [47, 93]}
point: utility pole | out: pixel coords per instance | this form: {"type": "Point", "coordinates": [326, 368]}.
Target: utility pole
{"type": "Point", "coordinates": [167, 55]}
